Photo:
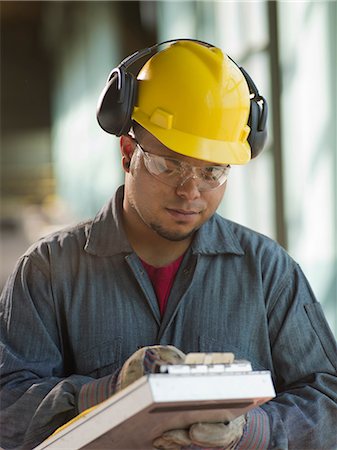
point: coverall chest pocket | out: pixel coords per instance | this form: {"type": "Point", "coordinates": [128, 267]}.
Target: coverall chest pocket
{"type": "Point", "coordinates": [101, 359]}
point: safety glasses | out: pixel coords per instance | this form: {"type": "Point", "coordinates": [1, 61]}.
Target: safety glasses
{"type": "Point", "coordinates": [175, 173]}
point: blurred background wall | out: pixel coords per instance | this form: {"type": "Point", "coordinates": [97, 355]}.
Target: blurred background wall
{"type": "Point", "coordinates": [58, 166]}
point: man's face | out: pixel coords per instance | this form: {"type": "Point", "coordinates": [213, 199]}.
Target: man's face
{"type": "Point", "coordinates": [174, 213]}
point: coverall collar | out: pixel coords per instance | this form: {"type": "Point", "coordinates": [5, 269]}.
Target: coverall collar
{"type": "Point", "coordinates": [106, 235]}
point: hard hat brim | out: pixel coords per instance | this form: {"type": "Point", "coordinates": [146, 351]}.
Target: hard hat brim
{"type": "Point", "coordinates": [205, 149]}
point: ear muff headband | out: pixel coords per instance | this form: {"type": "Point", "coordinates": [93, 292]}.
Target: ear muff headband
{"type": "Point", "coordinates": [118, 98]}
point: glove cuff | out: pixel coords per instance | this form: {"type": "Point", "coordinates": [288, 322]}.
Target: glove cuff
{"type": "Point", "coordinates": [96, 391]}
{"type": "Point", "coordinates": [256, 435]}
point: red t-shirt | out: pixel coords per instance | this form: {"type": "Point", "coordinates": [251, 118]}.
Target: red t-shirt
{"type": "Point", "coordinates": [162, 280]}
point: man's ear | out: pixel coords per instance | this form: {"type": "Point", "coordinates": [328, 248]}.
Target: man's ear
{"type": "Point", "coordinates": [127, 146]}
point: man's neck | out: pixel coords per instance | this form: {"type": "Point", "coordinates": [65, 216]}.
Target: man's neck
{"type": "Point", "coordinates": [150, 246]}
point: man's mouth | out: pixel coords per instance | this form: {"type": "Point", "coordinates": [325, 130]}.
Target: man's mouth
{"type": "Point", "coordinates": [182, 214]}
{"type": "Point", "coordinates": [184, 211]}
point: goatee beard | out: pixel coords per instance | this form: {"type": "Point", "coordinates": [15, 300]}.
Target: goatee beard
{"type": "Point", "coordinates": [171, 235]}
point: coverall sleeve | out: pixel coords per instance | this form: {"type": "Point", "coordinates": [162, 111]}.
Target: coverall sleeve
{"type": "Point", "coordinates": [304, 352]}
{"type": "Point", "coordinates": [36, 395]}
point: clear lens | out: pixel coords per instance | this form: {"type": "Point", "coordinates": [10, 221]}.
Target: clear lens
{"type": "Point", "coordinates": [174, 172]}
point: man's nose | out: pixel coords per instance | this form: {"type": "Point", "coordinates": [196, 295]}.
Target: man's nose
{"type": "Point", "coordinates": [189, 187]}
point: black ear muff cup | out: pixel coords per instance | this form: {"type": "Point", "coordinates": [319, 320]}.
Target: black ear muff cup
{"type": "Point", "coordinates": [257, 123]}
{"type": "Point", "coordinates": [252, 123]}
{"type": "Point", "coordinates": [257, 120]}
{"type": "Point", "coordinates": [116, 104]}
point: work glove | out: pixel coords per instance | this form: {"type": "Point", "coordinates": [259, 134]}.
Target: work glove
{"type": "Point", "coordinates": [146, 360]}
{"type": "Point", "coordinates": [143, 361]}
{"type": "Point", "coordinates": [203, 436]}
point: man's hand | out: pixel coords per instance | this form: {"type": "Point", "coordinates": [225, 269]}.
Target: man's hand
{"type": "Point", "coordinates": [145, 360]}
{"type": "Point", "coordinates": [203, 435]}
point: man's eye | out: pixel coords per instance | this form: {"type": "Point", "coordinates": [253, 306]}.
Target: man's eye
{"type": "Point", "coordinates": [166, 167]}
{"type": "Point", "coordinates": [211, 173]}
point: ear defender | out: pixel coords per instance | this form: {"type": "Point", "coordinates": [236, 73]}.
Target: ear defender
{"type": "Point", "coordinates": [257, 120]}
{"type": "Point", "coordinates": [116, 102]}
{"type": "Point", "coordinates": [118, 98]}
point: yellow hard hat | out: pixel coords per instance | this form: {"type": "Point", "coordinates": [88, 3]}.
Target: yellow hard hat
{"type": "Point", "coordinates": [196, 101]}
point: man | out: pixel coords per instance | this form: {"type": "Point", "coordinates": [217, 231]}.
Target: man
{"type": "Point", "coordinates": [157, 273]}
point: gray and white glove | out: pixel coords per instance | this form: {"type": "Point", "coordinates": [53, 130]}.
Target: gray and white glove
{"type": "Point", "coordinates": [145, 361]}
{"type": "Point", "coordinates": [203, 436]}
